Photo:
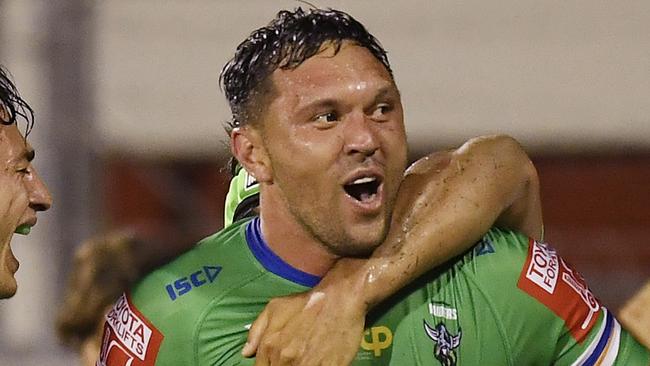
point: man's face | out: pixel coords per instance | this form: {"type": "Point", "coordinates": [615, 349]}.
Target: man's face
{"type": "Point", "coordinates": [15, 163]}
{"type": "Point", "coordinates": [334, 134]}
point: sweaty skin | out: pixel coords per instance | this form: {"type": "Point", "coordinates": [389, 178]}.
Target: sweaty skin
{"type": "Point", "coordinates": [446, 202]}
{"type": "Point", "coordinates": [13, 202]}
{"type": "Point", "coordinates": [22, 195]}
{"type": "Point", "coordinates": [341, 134]}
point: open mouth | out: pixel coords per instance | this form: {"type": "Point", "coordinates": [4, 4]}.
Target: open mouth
{"type": "Point", "coordinates": [363, 189]}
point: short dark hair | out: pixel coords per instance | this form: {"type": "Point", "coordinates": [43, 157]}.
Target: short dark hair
{"type": "Point", "coordinates": [285, 43]}
{"type": "Point", "coordinates": [13, 104]}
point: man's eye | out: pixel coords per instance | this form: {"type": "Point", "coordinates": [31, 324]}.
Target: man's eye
{"type": "Point", "coordinates": [381, 110]}
{"type": "Point", "coordinates": [23, 171]}
{"type": "Point", "coordinates": [326, 117]}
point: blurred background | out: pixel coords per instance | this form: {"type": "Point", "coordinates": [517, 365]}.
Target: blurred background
{"type": "Point", "coordinates": [129, 121]}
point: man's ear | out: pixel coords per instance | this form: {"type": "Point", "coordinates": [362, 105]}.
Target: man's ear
{"type": "Point", "coordinates": [247, 147]}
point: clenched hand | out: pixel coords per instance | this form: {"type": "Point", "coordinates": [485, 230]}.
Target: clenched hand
{"type": "Point", "coordinates": [321, 327]}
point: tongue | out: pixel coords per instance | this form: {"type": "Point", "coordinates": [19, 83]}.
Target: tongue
{"type": "Point", "coordinates": [366, 196]}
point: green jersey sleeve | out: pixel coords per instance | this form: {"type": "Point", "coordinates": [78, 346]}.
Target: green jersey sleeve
{"type": "Point", "coordinates": [539, 310]}
{"type": "Point", "coordinates": [557, 311]}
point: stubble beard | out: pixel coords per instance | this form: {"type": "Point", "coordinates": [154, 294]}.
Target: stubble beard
{"type": "Point", "coordinates": [331, 234]}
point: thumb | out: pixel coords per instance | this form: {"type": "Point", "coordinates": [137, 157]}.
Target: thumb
{"type": "Point", "coordinates": [255, 334]}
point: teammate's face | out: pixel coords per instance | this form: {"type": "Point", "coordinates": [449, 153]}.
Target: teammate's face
{"type": "Point", "coordinates": [334, 134]}
{"type": "Point", "coordinates": [15, 163]}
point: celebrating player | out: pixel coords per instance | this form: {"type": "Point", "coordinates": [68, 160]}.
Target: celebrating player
{"type": "Point", "coordinates": [22, 193]}
{"type": "Point", "coordinates": [318, 123]}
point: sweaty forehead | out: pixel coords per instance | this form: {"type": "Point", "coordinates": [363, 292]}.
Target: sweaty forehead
{"type": "Point", "coordinates": [352, 66]}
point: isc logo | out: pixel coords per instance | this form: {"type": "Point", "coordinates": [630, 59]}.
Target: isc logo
{"type": "Point", "coordinates": [199, 278]}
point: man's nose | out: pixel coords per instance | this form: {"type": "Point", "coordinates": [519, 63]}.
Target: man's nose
{"type": "Point", "coordinates": [40, 198]}
{"type": "Point", "coordinates": [360, 136]}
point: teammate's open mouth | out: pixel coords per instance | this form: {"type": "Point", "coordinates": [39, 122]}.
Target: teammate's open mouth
{"type": "Point", "coordinates": [363, 189]}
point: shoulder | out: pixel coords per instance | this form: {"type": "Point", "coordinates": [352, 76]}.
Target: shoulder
{"type": "Point", "coordinates": [193, 269]}
{"type": "Point", "coordinates": [550, 296]}
{"type": "Point", "coordinates": [508, 266]}
{"type": "Point", "coordinates": [217, 264]}
{"type": "Point", "coordinates": [165, 310]}
{"type": "Point", "coordinates": [498, 255]}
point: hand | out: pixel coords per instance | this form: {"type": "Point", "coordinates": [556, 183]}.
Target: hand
{"type": "Point", "coordinates": [13, 203]}
{"type": "Point", "coordinates": [323, 326]}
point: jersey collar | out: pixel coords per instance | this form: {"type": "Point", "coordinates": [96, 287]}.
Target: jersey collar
{"type": "Point", "coordinates": [271, 261]}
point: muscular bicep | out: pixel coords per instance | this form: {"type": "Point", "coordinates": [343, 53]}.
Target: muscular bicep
{"type": "Point", "coordinates": [488, 180]}
{"type": "Point", "coordinates": [507, 182]}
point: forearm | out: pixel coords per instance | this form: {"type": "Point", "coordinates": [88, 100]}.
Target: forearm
{"type": "Point", "coordinates": [446, 203]}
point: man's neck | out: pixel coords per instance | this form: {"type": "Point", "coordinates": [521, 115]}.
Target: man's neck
{"type": "Point", "coordinates": [289, 240]}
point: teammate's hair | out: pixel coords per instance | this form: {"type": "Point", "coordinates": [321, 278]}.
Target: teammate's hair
{"type": "Point", "coordinates": [14, 106]}
{"type": "Point", "coordinates": [285, 43]}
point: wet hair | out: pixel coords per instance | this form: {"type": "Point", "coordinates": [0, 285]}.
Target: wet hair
{"type": "Point", "coordinates": [15, 107]}
{"type": "Point", "coordinates": [285, 43]}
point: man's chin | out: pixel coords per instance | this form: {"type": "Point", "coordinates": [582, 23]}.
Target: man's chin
{"type": "Point", "coordinates": [358, 247]}
{"type": "Point", "coordinates": [8, 267]}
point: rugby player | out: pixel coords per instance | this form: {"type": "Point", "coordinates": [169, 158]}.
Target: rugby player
{"type": "Point", "coordinates": [318, 123]}
{"type": "Point", "coordinates": [22, 193]}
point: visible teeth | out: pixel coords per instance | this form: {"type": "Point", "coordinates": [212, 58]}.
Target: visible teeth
{"type": "Point", "coordinates": [364, 180]}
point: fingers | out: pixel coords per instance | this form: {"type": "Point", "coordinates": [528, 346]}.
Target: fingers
{"type": "Point", "coordinates": [276, 350]}
{"type": "Point", "coordinates": [282, 333]}
{"type": "Point", "coordinates": [262, 359]}
{"type": "Point", "coordinates": [263, 356]}
{"type": "Point", "coordinates": [255, 334]}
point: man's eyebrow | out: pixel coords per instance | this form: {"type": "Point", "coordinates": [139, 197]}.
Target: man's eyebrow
{"type": "Point", "coordinates": [383, 92]}
{"type": "Point", "coordinates": [318, 103]}
{"type": "Point", "coordinates": [386, 92]}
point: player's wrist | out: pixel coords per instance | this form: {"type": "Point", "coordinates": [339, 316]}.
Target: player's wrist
{"type": "Point", "coordinates": [348, 282]}
{"type": "Point", "coordinates": [372, 280]}
{"type": "Point", "coordinates": [384, 276]}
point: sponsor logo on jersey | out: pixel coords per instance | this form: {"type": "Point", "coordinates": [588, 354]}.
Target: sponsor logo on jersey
{"type": "Point", "coordinates": [446, 334]}
{"type": "Point", "coordinates": [549, 279]}
{"type": "Point", "coordinates": [198, 278]}
{"type": "Point", "coordinates": [543, 267]}
{"type": "Point", "coordinates": [445, 343]}
{"type": "Point", "coordinates": [129, 338]}
{"type": "Point", "coordinates": [440, 310]}
{"type": "Point", "coordinates": [376, 339]}
{"type": "Point", "coordinates": [484, 247]}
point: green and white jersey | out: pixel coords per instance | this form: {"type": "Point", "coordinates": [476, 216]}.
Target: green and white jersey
{"type": "Point", "coordinates": [507, 301]}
